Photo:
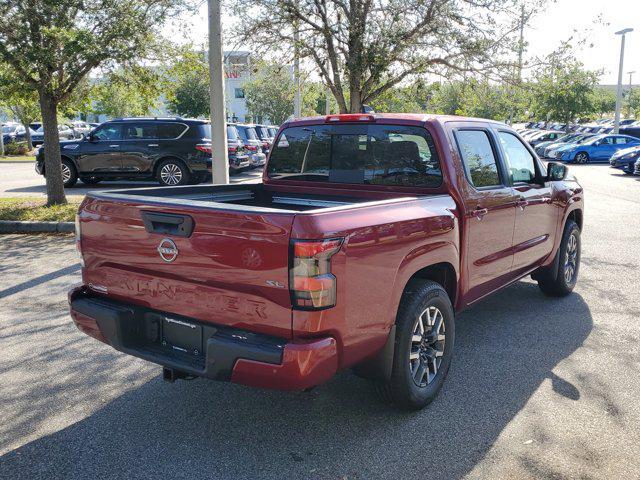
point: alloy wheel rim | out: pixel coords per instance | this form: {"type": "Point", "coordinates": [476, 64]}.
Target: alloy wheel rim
{"type": "Point", "coordinates": [581, 158]}
{"type": "Point", "coordinates": [571, 259]}
{"type": "Point", "coordinates": [66, 173]}
{"type": "Point", "coordinates": [427, 346]}
{"type": "Point", "coordinates": [171, 174]}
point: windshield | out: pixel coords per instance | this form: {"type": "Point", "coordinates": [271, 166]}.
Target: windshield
{"type": "Point", "coordinates": [357, 154]}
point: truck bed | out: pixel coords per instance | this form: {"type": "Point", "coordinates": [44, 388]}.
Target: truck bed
{"type": "Point", "coordinates": [247, 197]}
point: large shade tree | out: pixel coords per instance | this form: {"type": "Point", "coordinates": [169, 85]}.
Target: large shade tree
{"type": "Point", "coordinates": [52, 45]}
{"type": "Point", "coordinates": [362, 48]}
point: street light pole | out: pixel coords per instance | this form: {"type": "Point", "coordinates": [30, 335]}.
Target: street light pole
{"type": "Point", "coordinates": [219, 152]}
{"type": "Point", "coordinates": [616, 125]}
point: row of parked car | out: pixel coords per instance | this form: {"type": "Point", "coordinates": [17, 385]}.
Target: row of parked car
{"type": "Point", "coordinates": [173, 151]}
{"type": "Point", "coordinates": [592, 143]}
{"type": "Point", "coordinates": [16, 132]}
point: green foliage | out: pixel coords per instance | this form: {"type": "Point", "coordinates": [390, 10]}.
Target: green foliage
{"type": "Point", "coordinates": [564, 92]}
{"type": "Point", "coordinates": [604, 101]}
{"type": "Point", "coordinates": [447, 98]}
{"type": "Point", "coordinates": [633, 102]}
{"type": "Point", "coordinates": [373, 46]}
{"type": "Point", "coordinates": [128, 92]}
{"type": "Point", "coordinates": [270, 94]}
{"type": "Point", "coordinates": [16, 148]}
{"type": "Point", "coordinates": [188, 90]}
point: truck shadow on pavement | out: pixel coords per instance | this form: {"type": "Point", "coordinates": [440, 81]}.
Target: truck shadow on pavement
{"type": "Point", "coordinates": [505, 348]}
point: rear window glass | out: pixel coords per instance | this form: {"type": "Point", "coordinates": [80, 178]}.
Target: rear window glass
{"type": "Point", "coordinates": [247, 133]}
{"type": "Point", "coordinates": [361, 154]}
{"type": "Point", "coordinates": [170, 130]}
{"type": "Point", "coordinates": [232, 133]}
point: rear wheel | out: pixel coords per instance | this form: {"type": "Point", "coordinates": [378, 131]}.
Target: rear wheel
{"type": "Point", "coordinates": [425, 332]}
{"type": "Point", "coordinates": [173, 172]}
{"type": "Point", "coordinates": [69, 173]}
{"type": "Point", "coordinates": [581, 157]}
{"type": "Point", "coordinates": [562, 280]}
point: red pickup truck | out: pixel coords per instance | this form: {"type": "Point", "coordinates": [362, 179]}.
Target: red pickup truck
{"type": "Point", "coordinates": [365, 237]}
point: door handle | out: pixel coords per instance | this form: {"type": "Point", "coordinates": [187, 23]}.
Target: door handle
{"type": "Point", "coordinates": [114, 146]}
{"type": "Point", "coordinates": [153, 145]}
{"type": "Point", "coordinates": [480, 212]}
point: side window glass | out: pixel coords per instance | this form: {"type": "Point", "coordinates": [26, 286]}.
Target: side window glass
{"type": "Point", "coordinates": [478, 158]}
{"type": "Point", "coordinates": [520, 162]}
{"type": "Point", "coordinates": [139, 131]}
{"type": "Point", "coordinates": [108, 132]}
{"type": "Point", "coordinates": [621, 141]}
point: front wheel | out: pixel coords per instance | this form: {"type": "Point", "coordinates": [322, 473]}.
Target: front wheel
{"type": "Point", "coordinates": [69, 173]}
{"type": "Point", "coordinates": [425, 332]}
{"type": "Point", "coordinates": [581, 157]}
{"type": "Point", "coordinates": [562, 281]}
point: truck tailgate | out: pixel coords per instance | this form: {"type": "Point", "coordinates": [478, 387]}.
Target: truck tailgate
{"type": "Point", "coordinates": [231, 270]}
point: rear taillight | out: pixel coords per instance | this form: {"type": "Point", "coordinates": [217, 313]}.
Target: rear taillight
{"type": "Point", "coordinates": [252, 148]}
{"type": "Point", "coordinates": [233, 149]}
{"type": "Point", "coordinates": [311, 282]}
{"type": "Point", "coordinates": [204, 147]}
{"type": "Point", "coordinates": [79, 240]}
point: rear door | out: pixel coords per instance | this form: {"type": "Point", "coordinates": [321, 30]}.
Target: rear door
{"type": "Point", "coordinates": [138, 146]}
{"type": "Point", "coordinates": [489, 206]}
{"type": "Point", "coordinates": [535, 216]}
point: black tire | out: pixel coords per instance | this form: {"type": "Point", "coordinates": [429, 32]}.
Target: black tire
{"type": "Point", "coordinates": [559, 282]}
{"type": "Point", "coordinates": [581, 157]}
{"type": "Point", "coordinates": [69, 173]}
{"type": "Point", "coordinates": [173, 172]}
{"type": "Point", "coordinates": [422, 297]}
{"type": "Point", "coordinates": [90, 180]}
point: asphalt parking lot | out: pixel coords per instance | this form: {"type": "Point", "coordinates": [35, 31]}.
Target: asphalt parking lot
{"type": "Point", "coordinates": [20, 179]}
{"type": "Point", "coordinates": [539, 387]}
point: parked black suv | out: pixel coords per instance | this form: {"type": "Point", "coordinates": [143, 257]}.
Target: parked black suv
{"type": "Point", "coordinates": [174, 151]}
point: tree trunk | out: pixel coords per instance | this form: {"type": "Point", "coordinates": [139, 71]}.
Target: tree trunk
{"type": "Point", "coordinates": [52, 162]}
{"type": "Point", "coordinates": [1, 142]}
{"type": "Point", "coordinates": [355, 99]}
{"type": "Point", "coordinates": [27, 136]}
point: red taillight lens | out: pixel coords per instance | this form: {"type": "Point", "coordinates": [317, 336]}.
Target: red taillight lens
{"type": "Point", "coordinates": [204, 147]}
{"type": "Point", "coordinates": [233, 149]}
{"type": "Point", "coordinates": [312, 284]}
{"type": "Point", "coordinates": [252, 148]}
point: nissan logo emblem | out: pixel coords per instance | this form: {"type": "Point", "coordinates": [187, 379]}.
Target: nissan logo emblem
{"type": "Point", "coordinates": [168, 250]}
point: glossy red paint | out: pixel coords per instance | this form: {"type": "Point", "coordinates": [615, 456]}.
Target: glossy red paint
{"type": "Point", "coordinates": [234, 269]}
{"type": "Point", "coordinates": [304, 365]}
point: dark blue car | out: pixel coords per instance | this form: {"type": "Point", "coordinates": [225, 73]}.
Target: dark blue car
{"type": "Point", "coordinates": [600, 148]}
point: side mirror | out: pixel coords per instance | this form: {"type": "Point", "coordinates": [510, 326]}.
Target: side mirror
{"type": "Point", "coordinates": [596, 144]}
{"type": "Point", "coordinates": [556, 172]}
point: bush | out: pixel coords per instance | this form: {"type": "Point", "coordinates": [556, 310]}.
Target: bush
{"type": "Point", "coordinates": [16, 148]}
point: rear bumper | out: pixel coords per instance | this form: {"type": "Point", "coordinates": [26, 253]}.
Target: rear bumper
{"type": "Point", "coordinates": [227, 354]}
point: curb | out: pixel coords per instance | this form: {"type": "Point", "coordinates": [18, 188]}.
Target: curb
{"type": "Point", "coordinates": [8, 226]}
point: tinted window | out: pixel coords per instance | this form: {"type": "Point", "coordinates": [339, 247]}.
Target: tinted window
{"type": "Point", "coordinates": [168, 131]}
{"type": "Point", "coordinates": [520, 162]}
{"type": "Point", "coordinates": [139, 131]}
{"type": "Point", "coordinates": [621, 140]}
{"type": "Point", "coordinates": [232, 133]}
{"type": "Point", "coordinates": [262, 132]}
{"type": "Point", "coordinates": [362, 154]}
{"type": "Point", "coordinates": [478, 158]}
{"type": "Point", "coordinates": [247, 133]}
{"type": "Point", "coordinates": [107, 132]}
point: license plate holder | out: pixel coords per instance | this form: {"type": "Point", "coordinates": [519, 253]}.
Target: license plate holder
{"type": "Point", "coordinates": [181, 336]}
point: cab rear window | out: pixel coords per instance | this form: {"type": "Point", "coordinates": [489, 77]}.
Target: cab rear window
{"type": "Point", "coordinates": [397, 155]}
